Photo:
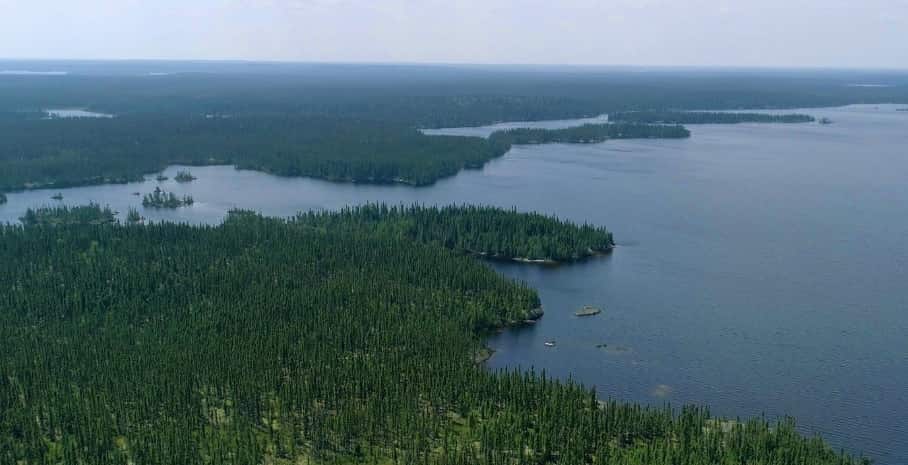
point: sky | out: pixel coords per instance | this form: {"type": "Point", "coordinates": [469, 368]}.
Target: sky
{"type": "Point", "coordinates": [761, 33]}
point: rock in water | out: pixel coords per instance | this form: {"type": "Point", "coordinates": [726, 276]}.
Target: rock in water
{"type": "Point", "coordinates": [587, 310]}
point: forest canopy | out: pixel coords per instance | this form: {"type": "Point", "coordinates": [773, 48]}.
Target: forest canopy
{"type": "Point", "coordinates": [706, 117]}
{"type": "Point", "coordinates": [484, 231]}
{"type": "Point", "coordinates": [324, 339]}
{"type": "Point", "coordinates": [589, 134]}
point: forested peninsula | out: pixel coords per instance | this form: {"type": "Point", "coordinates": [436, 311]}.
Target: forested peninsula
{"type": "Point", "coordinates": [588, 134]}
{"type": "Point", "coordinates": [60, 153]}
{"type": "Point", "coordinates": [484, 231]}
{"type": "Point", "coordinates": [331, 338]}
{"type": "Point", "coordinates": [706, 117]}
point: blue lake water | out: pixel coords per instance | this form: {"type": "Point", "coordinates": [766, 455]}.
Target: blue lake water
{"type": "Point", "coordinates": [761, 269]}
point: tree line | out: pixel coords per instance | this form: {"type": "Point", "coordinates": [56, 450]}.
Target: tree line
{"type": "Point", "coordinates": [706, 117]}
{"type": "Point", "coordinates": [480, 230]}
{"type": "Point", "coordinates": [60, 152]}
{"type": "Point", "coordinates": [589, 134]}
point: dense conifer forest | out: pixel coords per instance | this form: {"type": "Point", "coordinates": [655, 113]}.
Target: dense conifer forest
{"type": "Point", "coordinates": [589, 134]}
{"type": "Point", "coordinates": [342, 122]}
{"type": "Point", "coordinates": [64, 215]}
{"type": "Point", "coordinates": [485, 231]}
{"type": "Point", "coordinates": [706, 117]}
{"type": "Point", "coordinates": [69, 152]}
{"type": "Point", "coordinates": [331, 338]}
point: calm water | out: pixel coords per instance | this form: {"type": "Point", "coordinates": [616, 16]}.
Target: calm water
{"type": "Point", "coordinates": [761, 268]}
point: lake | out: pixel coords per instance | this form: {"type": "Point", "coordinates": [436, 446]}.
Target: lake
{"type": "Point", "coordinates": [760, 268]}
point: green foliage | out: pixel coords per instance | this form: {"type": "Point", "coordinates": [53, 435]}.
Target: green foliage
{"type": "Point", "coordinates": [133, 216]}
{"type": "Point", "coordinates": [589, 133]}
{"type": "Point", "coordinates": [160, 199]}
{"type": "Point", "coordinates": [485, 231]}
{"type": "Point", "coordinates": [705, 117]}
{"type": "Point", "coordinates": [69, 152]}
{"type": "Point", "coordinates": [266, 341]}
{"type": "Point", "coordinates": [64, 215]}
{"type": "Point", "coordinates": [184, 176]}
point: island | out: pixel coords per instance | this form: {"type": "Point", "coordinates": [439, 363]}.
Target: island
{"type": "Point", "coordinates": [161, 178]}
{"type": "Point", "coordinates": [2, 198]}
{"type": "Point", "coordinates": [161, 199]}
{"type": "Point", "coordinates": [57, 196]}
{"type": "Point", "coordinates": [588, 310]}
{"type": "Point", "coordinates": [91, 214]}
{"type": "Point", "coordinates": [706, 117]}
{"type": "Point", "coordinates": [184, 176]}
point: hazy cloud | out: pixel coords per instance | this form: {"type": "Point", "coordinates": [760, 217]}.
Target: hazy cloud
{"type": "Point", "coordinates": [869, 33]}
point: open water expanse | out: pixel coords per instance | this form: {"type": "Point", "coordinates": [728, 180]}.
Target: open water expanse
{"type": "Point", "coordinates": [761, 269]}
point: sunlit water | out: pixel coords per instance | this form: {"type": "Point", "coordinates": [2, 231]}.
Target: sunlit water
{"type": "Point", "coordinates": [761, 268]}
{"type": "Point", "coordinates": [75, 113]}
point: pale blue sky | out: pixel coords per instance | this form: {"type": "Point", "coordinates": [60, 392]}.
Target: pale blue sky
{"type": "Point", "coordinates": [827, 33]}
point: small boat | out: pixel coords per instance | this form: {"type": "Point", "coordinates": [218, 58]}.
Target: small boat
{"type": "Point", "coordinates": [549, 343]}
{"type": "Point", "coordinates": [57, 196]}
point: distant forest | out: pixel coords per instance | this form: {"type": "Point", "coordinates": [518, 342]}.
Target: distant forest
{"type": "Point", "coordinates": [70, 152]}
{"type": "Point", "coordinates": [706, 117]}
{"type": "Point", "coordinates": [588, 133]}
{"type": "Point", "coordinates": [356, 123]}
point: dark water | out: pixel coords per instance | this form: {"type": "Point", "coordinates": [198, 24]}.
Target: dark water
{"type": "Point", "coordinates": [761, 268]}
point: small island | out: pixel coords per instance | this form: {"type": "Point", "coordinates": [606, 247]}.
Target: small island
{"type": "Point", "coordinates": [2, 198]}
{"type": "Point", "coordinates": [706, 117]}
{"type": "Point", "coordinates": [184, 176]}
{"type": "Point", "coordinates": [161, 178]}
{"type": "Point", "coordinates": [588, 134]}
{"type": "Point", "coordinates": [91, 214]}
{"type": "Point", "coordinates": [825, 121]}
{"type": "Point", "coordinates": [57, 196]}
{"type": "Point", "coordinates": [160, 199]}
{"type": "Point", "coordinates": [587, 310]}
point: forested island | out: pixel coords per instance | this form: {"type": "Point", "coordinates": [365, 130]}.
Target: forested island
{"type": "Point", "coordinates": [330, 338]}
{"type": "Point", "coordinates": [160, 199]}
{"type": "Point", "coordinates": [706, 117]}
{"type": "Point", "coordinates": [184, 176]}
{"type": "Point", "coordinates": [588, 134]}
{"type": "Point", "coordinates": [91, 214]}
